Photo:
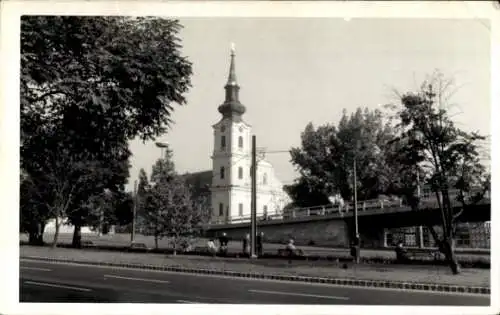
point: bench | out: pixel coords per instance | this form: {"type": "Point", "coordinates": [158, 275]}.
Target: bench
{"type": "Point", "coordinates": [416, 253]}
{"type": "Point", "coordinates": [138, 247]}
{"type": "Point", "coordinates": [200, 249]}
{"type": "Point", "coordinates": [282, 252]}
{"type": "Point", "coordinates": [87, 243]}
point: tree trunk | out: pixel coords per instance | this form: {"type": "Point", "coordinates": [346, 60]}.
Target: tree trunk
{"type": "Point", "coordinates": [448, 245]}
{"type": "Point", "coordinates": [32, 237]}
{"type": "Point", "coordinates": [156, 241]}
{"type": "Point", "coordinates": [41, 228]}
{"type": "Point", "coordinates": [35, 234]}
{"type": "Point", "coordinates": [77, 236]}
{"type": "Point", "coordinates": [56, 235]}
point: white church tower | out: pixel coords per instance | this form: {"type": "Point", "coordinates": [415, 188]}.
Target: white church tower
{"type": "Point", "coordinates": [231, 160]}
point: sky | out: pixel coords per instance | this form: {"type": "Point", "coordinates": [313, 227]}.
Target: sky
{"type": "Point", "coordinates": [293, 71]}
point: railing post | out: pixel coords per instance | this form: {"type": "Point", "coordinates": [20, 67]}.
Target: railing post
{"type": "Point", "coordinates": [323, 211]}
{"type": "Point", "coordinates": [364, 205]}
{"type": "Point", "coordinates": [381, 204]}
{"type": "Point", "coordinates": [293, 213]}
{"type": "Point", "coordinates": [308, 212]}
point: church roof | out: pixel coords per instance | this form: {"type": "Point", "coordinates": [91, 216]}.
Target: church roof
{"type": "Point", "coordinates": [199, 182]}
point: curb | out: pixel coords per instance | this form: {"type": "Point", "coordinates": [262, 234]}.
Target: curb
{"type": "Point", "coordinates": [252, 275]}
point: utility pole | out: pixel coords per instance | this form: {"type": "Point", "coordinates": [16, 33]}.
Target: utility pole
{"type": "Point", "coordinates": [420, 228]}
{"type": "Point", "coordinates": [253, 205]}
{"type": "Point", "coordinates": [355, 201]}
{"type": "Point", "coordinates": [355, 247]}
{"type": "Point", "coordinates": [132, 236]}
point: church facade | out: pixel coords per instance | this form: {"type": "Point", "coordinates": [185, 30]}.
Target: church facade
{"type": "Point", "coordinates": [230, 178]}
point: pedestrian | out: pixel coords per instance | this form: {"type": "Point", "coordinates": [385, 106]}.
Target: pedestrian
{"type": "Point", "coordinates": [260, 242]}
{"type": "Point", "coordinates": [290, 247]}
{"type": "Point", "coordinates": [223, 240]}
{"type": "Point", "coordinates": [246, 245]}
{"type": "Point", "coordinates": [212, 248]}
{"type": "Point", "coordinates": [401, 253]}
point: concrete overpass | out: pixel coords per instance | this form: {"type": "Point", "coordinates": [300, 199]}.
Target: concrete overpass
{"type": "Point", "coordinates": [332, 226]}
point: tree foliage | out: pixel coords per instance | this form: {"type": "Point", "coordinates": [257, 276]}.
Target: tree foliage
{"type": "Point", "coordinates": [431, 145]}
{"type": "Point", "coordinates": [326, 159]}
{"type": "Point", "coordinates": [170, 208]}
{"type": "Point", "coordinates": [88, 86]}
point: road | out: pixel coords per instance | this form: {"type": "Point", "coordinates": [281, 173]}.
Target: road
{"type": "Point", "coordinates": [57, 283]}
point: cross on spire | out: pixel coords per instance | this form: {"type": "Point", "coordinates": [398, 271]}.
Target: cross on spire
{"type": "Point", "coordinates": [232, 106]}
{"type": "Point", "coordinates": [231, 80]}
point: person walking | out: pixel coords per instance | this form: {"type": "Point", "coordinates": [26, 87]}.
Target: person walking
{"type": "Point", "coordinates": [223, 240]}
{"type": "Point", "coordinates": [212, 248]}
{"type": "Point", "coordinates": [246, 245]}
{"type": "Point", "coordinates": [290, 250]}
{"type": "Point", "coordinates": [260, 242]}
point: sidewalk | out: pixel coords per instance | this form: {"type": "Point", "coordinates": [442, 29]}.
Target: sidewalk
{"type": "Point", "coordinates": [235, 246]}
{"type": "Point", "coordinates": [433, 277]}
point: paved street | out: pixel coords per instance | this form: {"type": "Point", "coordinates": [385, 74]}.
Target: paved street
{"type": "Point", "coordinates": [50, 282]}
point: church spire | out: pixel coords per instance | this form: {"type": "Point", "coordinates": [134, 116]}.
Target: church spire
{"type": "Point", "coordinates": [231, 79]}
{"type": "Point", "coordinates": [232, 108]}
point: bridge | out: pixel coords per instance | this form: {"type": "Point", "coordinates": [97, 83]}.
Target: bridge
{"type": "Point", "coordinates": [331, 225]}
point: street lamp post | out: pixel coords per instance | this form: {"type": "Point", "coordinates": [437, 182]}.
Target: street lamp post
{"type": "Point", "coordinates": [132, 236]}
{"type": "Point", "coordinates": [420, 228]}
{"type": "Point", "coordinates": [356, 243]}
{"type": "Point", "coordinates": [162, 146]}
{"type": "Point", "coordinates": [355, 248]}
{"type": "Point", "coordinates": [253, 207]}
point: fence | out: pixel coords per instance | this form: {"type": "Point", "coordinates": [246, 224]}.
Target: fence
{"type": "Point", "coordinates": [342, 209]}
{"type": "Point", "coordinates": [468, 235]}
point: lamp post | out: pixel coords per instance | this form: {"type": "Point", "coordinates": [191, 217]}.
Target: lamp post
{"type": "Point", "coordinates": [356, 244]}
{"type": "Point", "coordinates": [162, 146]}
{"type": "Point", "coordinates": [253, 208]}
{"type": "Point", "coordinates": [420, 228]}
{"type": "Point", "coordinates": [132, 236]}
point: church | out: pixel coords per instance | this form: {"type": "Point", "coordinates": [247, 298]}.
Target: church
{"type": "Point", "coordinates": [229, 181]}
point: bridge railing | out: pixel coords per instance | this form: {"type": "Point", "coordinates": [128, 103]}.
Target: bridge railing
{"type": "Point", "coordinates": [373, 204]}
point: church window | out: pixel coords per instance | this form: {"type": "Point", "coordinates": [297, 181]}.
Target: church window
{"type": "Point", "coordinates": [221, 209]}
{"type": "Point", "coordinates": [264, 179]}
{"type": "Point", "coordinates": [223, 142]}
{"type": "Point", "coordinates": [222, 172]}
{"type": "Point", "coordinates": [240, 172]}
{"type": "Point", "coordinates": [240, 142]}
{"type": "Point", "coordinates": [240, 209]}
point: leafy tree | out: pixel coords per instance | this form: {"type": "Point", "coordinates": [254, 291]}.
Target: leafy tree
{"type": "Point", "coordinates": [164, 168]}
{"type": "Point", "coordinates": [443, 154]}
{"type": "Point", "coordinates": [326, 159]}
{"type": "Point", "coordinates": [53, 187]}
{"type": "Point", "coordinates": [170, 208]}
{"type": "Point", "coordinates": [109, 177]}
{"type": "Point", "coordinates": [173, 213]}
{"type": "Point", "coordinates": [202, 212]}
{"type": "Point", "coordinates": [88, 86]}
{"type": "Point", "coordinates": [33, 212]}
{"type": "Point", "coordinates": [143, 188]}
{"type": "Point", "coordinates": [162, 173]}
